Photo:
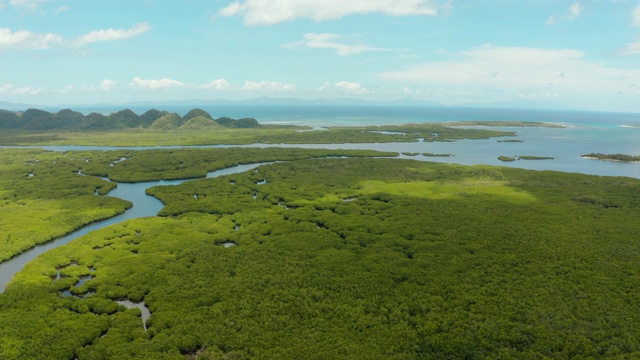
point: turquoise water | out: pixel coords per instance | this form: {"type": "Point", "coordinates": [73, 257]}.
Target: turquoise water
{"type": "Point", "coordinates": [584, 132]}
{"type": "Point", "coordinates": [376, 115]}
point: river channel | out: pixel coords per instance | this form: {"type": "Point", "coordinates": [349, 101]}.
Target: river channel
{"type": "Point", "coordinates": [143, 206]}
{"type": "Point", "coordinates": [564, 145]}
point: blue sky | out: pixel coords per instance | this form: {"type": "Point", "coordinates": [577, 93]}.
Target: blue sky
{"type": "Point", "coordinates": [575, 54]}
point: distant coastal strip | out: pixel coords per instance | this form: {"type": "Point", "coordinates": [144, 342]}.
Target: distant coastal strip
{"type": "Point", "coordinates": [504, 123]}
{"type": "Point", "coordinates": [612, 157]}
{"type": "Point", "coordinates": [524, 157]}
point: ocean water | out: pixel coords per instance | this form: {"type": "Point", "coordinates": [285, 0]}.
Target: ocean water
{"type": "Point", "coordinates": [377, 115]}
{"type": "Point", "coordinates": [583, 132]}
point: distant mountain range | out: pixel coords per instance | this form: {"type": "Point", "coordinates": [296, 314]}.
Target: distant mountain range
{"type": "Point", "coordinates": [67, 119]}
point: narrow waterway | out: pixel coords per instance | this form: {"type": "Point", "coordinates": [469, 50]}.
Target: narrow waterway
{"type": "Point", "coordinates": [143, 206]}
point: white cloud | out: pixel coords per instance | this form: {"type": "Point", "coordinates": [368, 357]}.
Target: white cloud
{"type": "Point", "coordinates": [327, 41]}
{"type": "Point", "coordinates": [65, 90]}
{"type": "Point", "coordinates": [574, 12]}
{"type": "Point", "coordinates": [23, 39]}
{"type": "Point", "coordinates": [155, 84]}
{"type": "Point", "coordinates": [636, 16]}
{"type": "Point", "coordinates": [9, 89]}
{"type": "Point", "coordinates": [344, 87]}
{"type": "Point", "coordinates": [269, 12]}
{"type": "Point", "coordinates": [107, 85]}
{"type": "Point", "coordinates": [268, 86]}
{"type": "Point", "coordinates": [520, 70]}
{"type": "Point", "coordinates": [61, 9]}
{"type": "Point", "coordinates": [351, 88]}
{"type": "Point", "coordinates": [325, 87]}
{"type": "Point", "coordinates": [113, 34]}
{"type": "Point", "coordinates": [26, 5]}
{"type": "Point", "coordinates": [631, 49]}
{"type": "Point", "coordinates": [218, 84]}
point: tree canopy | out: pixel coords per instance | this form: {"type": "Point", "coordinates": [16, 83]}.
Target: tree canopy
{"type": "Point", "coordinates": [347, 258]}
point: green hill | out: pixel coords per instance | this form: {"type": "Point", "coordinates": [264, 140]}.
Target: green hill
{"type": "Point", "coordinates": [200, 123]}
{"type": "Point", "coordinates": [67, 119]}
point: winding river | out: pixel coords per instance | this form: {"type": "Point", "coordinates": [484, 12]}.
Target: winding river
{"type": "Point", "coordinates": [143, 206]}
{"type": "Point", "coordinates": [564, 145]}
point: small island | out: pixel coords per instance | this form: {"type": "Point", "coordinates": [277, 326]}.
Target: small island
{"type": "Point", "coordinates": [612, 157]}
{"type": "Point", "coordinates": [529, 157]}
{"type": "Point", "coordinates": [524, 157]}
{"type": "Point", "coordinates": [436, 155]}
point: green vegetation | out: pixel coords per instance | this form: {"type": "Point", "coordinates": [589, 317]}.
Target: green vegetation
{"type": "Point", "coordinates": [430, 131]}
{"type": "Point", "coordinates": [524, 157]}
{"type": "Point", "coordinates": [504, 124]}
{"type": "Point", "coordinates": [197, 127]}
{"type": "Point", "coordinates": [531, 157]}
{"type": "Point", "coordinates": [43, 195]}
{"type": "Point", "coordinates": [348, 258]}
{"type": "Point", "coordinates": [612, 157]}
{"type": "Point", "coordinates": [436, 155]}
{"type": "Point", "coordinates": [510, 141]}
{"type": "Point", "coordinates": [35, 119]}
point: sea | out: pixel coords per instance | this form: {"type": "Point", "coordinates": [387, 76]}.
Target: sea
{"type": "Point", "coordinates": [583, 132]}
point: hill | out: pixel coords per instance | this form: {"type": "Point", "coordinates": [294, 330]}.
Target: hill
{"type": "Point", "coordinates": [67, 119]}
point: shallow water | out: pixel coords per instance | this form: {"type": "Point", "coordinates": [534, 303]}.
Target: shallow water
{"type": "Point", "coordinates": [145, 313]}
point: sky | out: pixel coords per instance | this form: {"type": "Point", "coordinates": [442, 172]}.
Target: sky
{"type": "Point", "coordinates": [545, 53]}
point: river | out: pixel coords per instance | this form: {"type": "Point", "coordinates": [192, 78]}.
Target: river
{"type": "Point", "coordinates": [565, 145]}
{"type": "Point", "coordinates": [143, 206]}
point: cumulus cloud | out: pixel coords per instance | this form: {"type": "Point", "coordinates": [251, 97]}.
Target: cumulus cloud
{"type": "Point", "coordinates": [107, 85]}
{"type": "Point", "coordinates": [517, 69]}
{"type": "Point", "coordinates": [23, 39]}
{"type": "Point", "coordinates": [574, 12]}
{"type": "Point", "coordinates": [269, 12]}
{"type": "Point", "coordinates": [9, 89]}
{"type": "Point", "coordinates": [345, 87]}
{"type": "Point", "coordinates": [351, 88]}
{"type": "Point", "coordinates": [268, 86]}
{"type": "Point", "coordinates": [329, 41]}
{"type": "Point", "coordinates": [155, 84]}
{"type": "Point", "coordinates": [113, 34]}
{"type": "Point", "coordinates": [218, 84]}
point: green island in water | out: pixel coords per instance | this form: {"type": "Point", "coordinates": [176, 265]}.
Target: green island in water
{"type": "Point", "coordinates": [612, 157]}
{"type": "Point", "coordinates": [321, 254]}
